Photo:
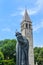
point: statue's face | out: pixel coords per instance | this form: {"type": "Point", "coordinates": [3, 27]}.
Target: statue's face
{"type": "Point", "coordinates": [19, 36]}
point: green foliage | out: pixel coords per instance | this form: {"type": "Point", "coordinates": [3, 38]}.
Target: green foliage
{"type": "Point", "coordinates": [9, 62]}
{"type": "Point", "coordinates": [8, 53]}
{"type": "Point", "coordinates": [8, 48]}
{"type": "Point", "coordinates": [38, 55]}
{"type": "Point", "coordinates": [1, 56]}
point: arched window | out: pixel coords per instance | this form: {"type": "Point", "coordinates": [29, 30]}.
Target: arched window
{"type": "Point", "coordinates": [29, 26]}
{"type": "Point", "coordinates": [26, 25]}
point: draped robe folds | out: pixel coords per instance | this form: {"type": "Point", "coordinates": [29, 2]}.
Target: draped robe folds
{"type": "Point", "coordinates": [22, 48]}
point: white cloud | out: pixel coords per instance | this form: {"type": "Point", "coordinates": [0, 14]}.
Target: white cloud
{"type": "Point", "coordinates": [38, 6]}
{"type": "Point", "coordinates": [6, 30]}
{"type": "Point", "coordinates": [38, 45]}
{"type": "Point", "coordinates": [36, 9]}
{"type": "Point", "coordinates": [38, 26]}
{"type": "Point", "coordinates": [30, 12]}
{"type": "Point", "coordinates": [39, 3]}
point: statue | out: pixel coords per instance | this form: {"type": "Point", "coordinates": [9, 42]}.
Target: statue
{"type": "Point", "coordinates": [22, 50]}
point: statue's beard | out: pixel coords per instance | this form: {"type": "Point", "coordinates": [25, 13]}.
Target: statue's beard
{"type": "Point", "coordinates": [19, 37]}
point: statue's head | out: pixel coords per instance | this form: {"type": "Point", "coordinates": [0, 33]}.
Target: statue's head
{"type": "Point", "coordinates": [18, 34]}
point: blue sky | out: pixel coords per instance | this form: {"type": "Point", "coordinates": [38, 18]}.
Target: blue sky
{"type": "Point", "coordinates": [11, 13]}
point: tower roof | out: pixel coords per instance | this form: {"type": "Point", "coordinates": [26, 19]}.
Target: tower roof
{"type": "Point", "coordinates": [26, 16]}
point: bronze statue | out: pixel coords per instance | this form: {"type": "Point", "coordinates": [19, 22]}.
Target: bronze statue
{"type": "Point", "coordinates": [22, 48]}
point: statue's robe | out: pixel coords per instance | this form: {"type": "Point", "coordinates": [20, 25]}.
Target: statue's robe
{"type": "Point", "coordinates": [22, 48]}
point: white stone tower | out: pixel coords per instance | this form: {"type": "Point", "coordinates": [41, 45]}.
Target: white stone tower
{"type": "Point", "coordinates": [26, 30]}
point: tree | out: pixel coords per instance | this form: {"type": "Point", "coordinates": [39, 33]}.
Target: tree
{"type": "Point", "coordinates": [8, 52]}
{"type": "Point", "coordinates": [8, 48]}
{"type": "Point", "coordinates": [1, 56]}
{"type": "Point", "coordinates": [38, 55]}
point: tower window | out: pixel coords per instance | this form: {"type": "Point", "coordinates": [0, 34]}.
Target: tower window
{"type": "Point", "coordinates": [29, 25]}
{"type": "Point", "coordinates": [26, 25]}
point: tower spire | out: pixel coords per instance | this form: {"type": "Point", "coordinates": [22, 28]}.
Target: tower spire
{"type": "Point", "coordinates": [26, 16]}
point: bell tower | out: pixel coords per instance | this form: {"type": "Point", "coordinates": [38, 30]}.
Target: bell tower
{"type": "Point", "coordinates": [26, 30]}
